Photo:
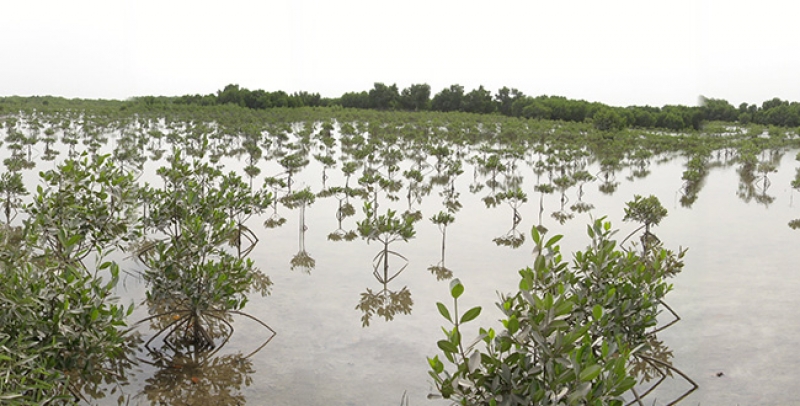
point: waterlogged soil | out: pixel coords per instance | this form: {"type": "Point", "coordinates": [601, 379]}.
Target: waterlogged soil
{"type": "Point", "coordinates": [736, 296]}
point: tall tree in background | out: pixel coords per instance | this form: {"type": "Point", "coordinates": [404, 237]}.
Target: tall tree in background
{"type": "Point", "coordinates": [505, 98]}
{"type": "Point", "coordinates": [383, 97]}
{"type": "Point", "coordinates": [718, 109]}
{"type": "Point", "coordinates": [478, 101]}
{"type": "Point", "coordinates": [416, 97]}
{"type": "Point", "coordinates": [355, 100]}
{"type": "Point", "coordinates": [449, 99]}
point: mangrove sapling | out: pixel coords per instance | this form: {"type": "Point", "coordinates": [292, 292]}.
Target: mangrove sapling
{"type": "Point", "coordinates": [190, 275]}
{"type": "Point", "coordinates": [442, 219]}
{"type": "Point", "coordinates": [416, 190]}
{"type": "Point", "coordinates": [386, 229]}
{"type": "Point", "coordinates": [649, 212]}
{"type": "Point", "coordinates": [11, 189]}
{"type": "Point", "coordinates": [60, 326]}
{"type": "Point", "coordinates": [276, 185]}
{"type": "Point", "coordinates": [562, 183]}
{"type": "Point", "coordinates": [301, 199]}
{"type": "Point", "coordinates": [344, 210]}
{"type": "Point", "coordinates": [569, 334]}
{"type": "Point", "coordinates": [292, 164]}
{"type": "Point", "coordinates": [88, 205]}
{"type": "Point", "coordinates": [243, 203]}
{"type": "Point", "coordinates": [694, 177]}
{"type": "Point", "coordinates": [581, 177]}
{"type": "Point", "coordinates": [49, 138]}
{"type": "Point", "coordinates": [640, 161]}
{"type": "Point", "coordinates": [607, 176]}
{"type": "Point", "coordinates": [515, 198]}
{"type": "Point", "coordinates": [795, 224]}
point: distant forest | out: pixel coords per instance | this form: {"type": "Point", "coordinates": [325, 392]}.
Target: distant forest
{"type": "Point", "coordinates": [512, 102]}
{"type": "Point", "coordinates": [508, 102]}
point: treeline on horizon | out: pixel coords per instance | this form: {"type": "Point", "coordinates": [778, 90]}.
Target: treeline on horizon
{"type": "Point", "coordinates": [507, 102]}
{"type": "Point", "coordinates": [513, 103]}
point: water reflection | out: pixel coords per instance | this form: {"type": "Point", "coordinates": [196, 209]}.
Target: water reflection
{"type": "Point", "coordinates": [607, 175]}
{"type": "Point", "coordinates": [386, 229]}
{"type": "Point", "coordinates": [440, 270]}
{"type": "Point", "coordinates": [652, 366]}
{"type": "Point", "coordinates": [184, 373]}
{"type": "Point", "coordinates": [344, 210]}
{"type": "Point", "coordinates": [753, 176]}
{"type": "Point", "coordinates": [390, 162]}
{"type": "Point", "coordinates": [302, 260]}
{"type": "Point", "coordinates": [513, 238]}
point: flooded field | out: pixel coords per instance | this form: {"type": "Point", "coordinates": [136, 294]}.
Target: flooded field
{"type": "Point", "coordinates": [351, 312]}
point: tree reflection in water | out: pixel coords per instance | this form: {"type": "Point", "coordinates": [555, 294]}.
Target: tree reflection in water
{"type": "Point", "coordinates": [185, 375]}
{"type": "Point", "coordinates": [440, 270]}
{"type": "Point", "coordinates": [385, 229]}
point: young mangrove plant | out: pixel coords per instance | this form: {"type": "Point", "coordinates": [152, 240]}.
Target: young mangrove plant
{"type": "Point", "coordinates": [386, 229]}
{"type": "Point", "coordinates": [88, 205]}
{"type": "Point", "coordinates": [442, 219]}
{"type": "Point", "coordinates": [61, 329]}
{"type": "Point", "coordinates": [344, 210]}
{"type": "Point", "coordinates": [649, 212]}
{"type": "Point", "coordinates": [301, 199]}
{"type": "Point", "coordinates": [11, 189]}
{"type": "Point", "coordinates": [191, 277]}
{"type": "Point", "coordinates": [243, 203]}
{"type": "Point", "coordinates": [570, 335]}
{"type": "Point", "coordinates": [276, 185]}
{"type": "Point", "coordinates": [515, 198]}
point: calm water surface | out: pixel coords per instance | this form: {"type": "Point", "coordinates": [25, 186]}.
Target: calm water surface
{"type": "Point", "coordinates": [736, 296]}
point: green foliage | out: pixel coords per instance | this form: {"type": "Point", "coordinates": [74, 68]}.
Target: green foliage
{"type": "Point", "coordinates": [607, 120]}
{"type": "Point", "coordinates": [60, 328]}
{"type": "Point", "coordinates": [443, 219]}
{"type": "Point", "coordinates": [385, 228]}
{"type": "Point", "coordinates": [86, 204]}
{"type": "Point", "coordinates": [645, 210]}
{"type": "Point", "coordinates": [11, 188]}
{"type": "Point", "coordinates": [416, 97]}
{"type": "Point", "coordinates": [189, 271]}
{"type": "Point", "coordinates": [449, 99]}
{"type": "Point", "coordinates": [569, 334]}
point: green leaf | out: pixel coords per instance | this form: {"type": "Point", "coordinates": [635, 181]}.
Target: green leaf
{"type": "Point", "coordinates": [597, 312]}
{"type": "Point", "coordinates": [590, 372]}
{"type": "Point", "coordinates": [447, 346]}
{"type": "Point", "coordinates": [471, 314]}
{"type": "Point", "coordinates": [513, 325]}
{"type": "Point", "coordinates": [456, 288]}
{"type": "Point", "coordinates": [443, 311]}
{"type": "Point", "coordinates": [553, 240]}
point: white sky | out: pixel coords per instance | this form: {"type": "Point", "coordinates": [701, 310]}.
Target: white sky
{"type": "Point", "coordinates": [617, 52]}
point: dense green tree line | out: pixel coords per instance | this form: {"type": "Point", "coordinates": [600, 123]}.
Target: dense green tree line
{"type": "Point", "coordinates": [512, 102]}
{"type": "Point", "coordinates": [506, 101]}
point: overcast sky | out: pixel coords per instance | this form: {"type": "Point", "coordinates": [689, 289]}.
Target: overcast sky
{"type": "Point", "coordinates": [617, 52]}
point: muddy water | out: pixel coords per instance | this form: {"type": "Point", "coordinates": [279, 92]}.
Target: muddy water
{"type": "Point", "coordinates": [736, 296]}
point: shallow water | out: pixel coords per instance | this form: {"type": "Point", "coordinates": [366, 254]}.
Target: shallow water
{"type": "Point", "coordinates": [736, 295]}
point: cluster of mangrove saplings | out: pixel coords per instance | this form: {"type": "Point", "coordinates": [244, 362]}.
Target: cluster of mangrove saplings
{"type": "Point", "coordinates": [574, 334]}
{"type": "Point", "coordinates": [61, 329]}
